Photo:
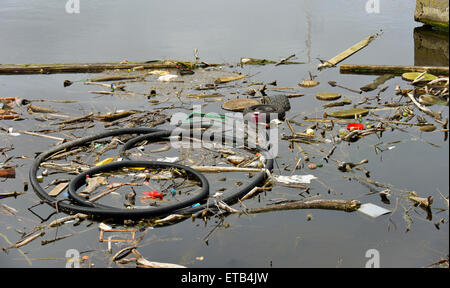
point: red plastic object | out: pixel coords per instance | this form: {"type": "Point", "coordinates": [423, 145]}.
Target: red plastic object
{"type": "Point", "coordinates": [154, 194]}
{"type": "Point", "coordinates": [256, 117]}
{"type": "Point", "coordinates": [355, 126]}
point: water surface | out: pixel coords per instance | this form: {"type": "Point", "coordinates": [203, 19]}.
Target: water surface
{"type": "Point", "coordinates": [223, 32]}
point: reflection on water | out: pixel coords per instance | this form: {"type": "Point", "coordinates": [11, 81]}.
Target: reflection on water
{"type": "Point", "coordinates": [42, 32]}
{"type": "Point", "coordinates": [430, 47]}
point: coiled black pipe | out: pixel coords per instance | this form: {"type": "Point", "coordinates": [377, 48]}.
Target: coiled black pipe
{"type": "Point", "coordinates": [157, 136]}
{"type": "Point", "coordinates": [67, 207]}
{"type": "Point", "coordinates": [116, 213]}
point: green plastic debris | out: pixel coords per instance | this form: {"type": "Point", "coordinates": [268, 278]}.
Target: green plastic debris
{"type": "Point", "coordinates": [204, 115]}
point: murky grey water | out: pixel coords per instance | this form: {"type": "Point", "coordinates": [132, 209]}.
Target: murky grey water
{"type": "Point", "coordinates": [42, 32]}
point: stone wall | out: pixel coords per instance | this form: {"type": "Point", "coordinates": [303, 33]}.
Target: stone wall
{"type": "Point", "coordinates": [432, 12]}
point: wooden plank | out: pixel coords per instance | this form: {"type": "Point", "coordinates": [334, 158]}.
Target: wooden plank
{"type": "Point", "coordinates": [58, 189]}
{"type": "Point", "coordinates": [347, 53]}
{"type": "Point", "coordinates": [391, 69]}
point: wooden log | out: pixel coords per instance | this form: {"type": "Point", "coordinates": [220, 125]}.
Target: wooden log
{"type": "Point", "coordinates": [380, 80]}
{"type": "Point", "coordinates": [11, 69]}
{"type": "Point", "coordinates": [391, 69]}
{"type": "Point", "coordinates": [341, 205]}
{"type": "Point", "coordinates": [9, 117]}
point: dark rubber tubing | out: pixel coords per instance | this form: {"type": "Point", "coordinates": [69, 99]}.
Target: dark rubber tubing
{"type": "Point", "coordinates": [80, 180]}
{"type": "Point", "coordinates": [110, 213]}
{"type": "Point", "coordinates": [233, 198]}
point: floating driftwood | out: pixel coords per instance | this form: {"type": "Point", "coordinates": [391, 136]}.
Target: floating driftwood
{"type": "Point", "coordinates": [341, 205]}
{"type": "Point", "coordinates": [255, 61]}
{"type": "Point", "coordinates": [37, 109]}
{"type": "Point", "coordinates": [424, 202]}
{"type": "Point", "coordinates": [340, 103]}
{"type": "Point", "coordinates": [347, 53]}
{"type": "Point", "coordinates": [58, 189]}
{"type": "Point", "coordinates": [10, 194]}
{"type": "Point", "coordinates": [215, 169]}
{"type": "Point", "coordinates": [284, 60]}
{"type": "Point", "coordinates": [25, 241]}
{"type": "Point", "coordinates": [63, 220]}
{"type": "Point", "coordinates": [9, 117]}
{"type": "Point", "coordinates": [35, 134]}
{"type": "Point", "coordinates": [114, 116]}
{"type": "Point", "coordinates": [334, 84]}
{"type": "Point", "coordinates": [377, 82]}
{"type": "Point", "coordinates": [252, 192]}
{"type": "Point", "coordinates": [113, 78]}
{"type": "Point", "coordinates": [227, 79]}
{"type": "Point", "coordinates": [10, 69]}
{"type": "Point", "coordinates": [141, 262]}
{"type": "Point", "coordinates": [354, 135]}
{"type": "Point", "coordinates": [390, 69]}
{"type": "Point", "coordinates": [170, 218]}
{"type": "Point", "coordinates": [78, 119]}
{"type": "Point", "coordinates": [200, 96]}
{"type": "Point", "coordinates": [45, 242]}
